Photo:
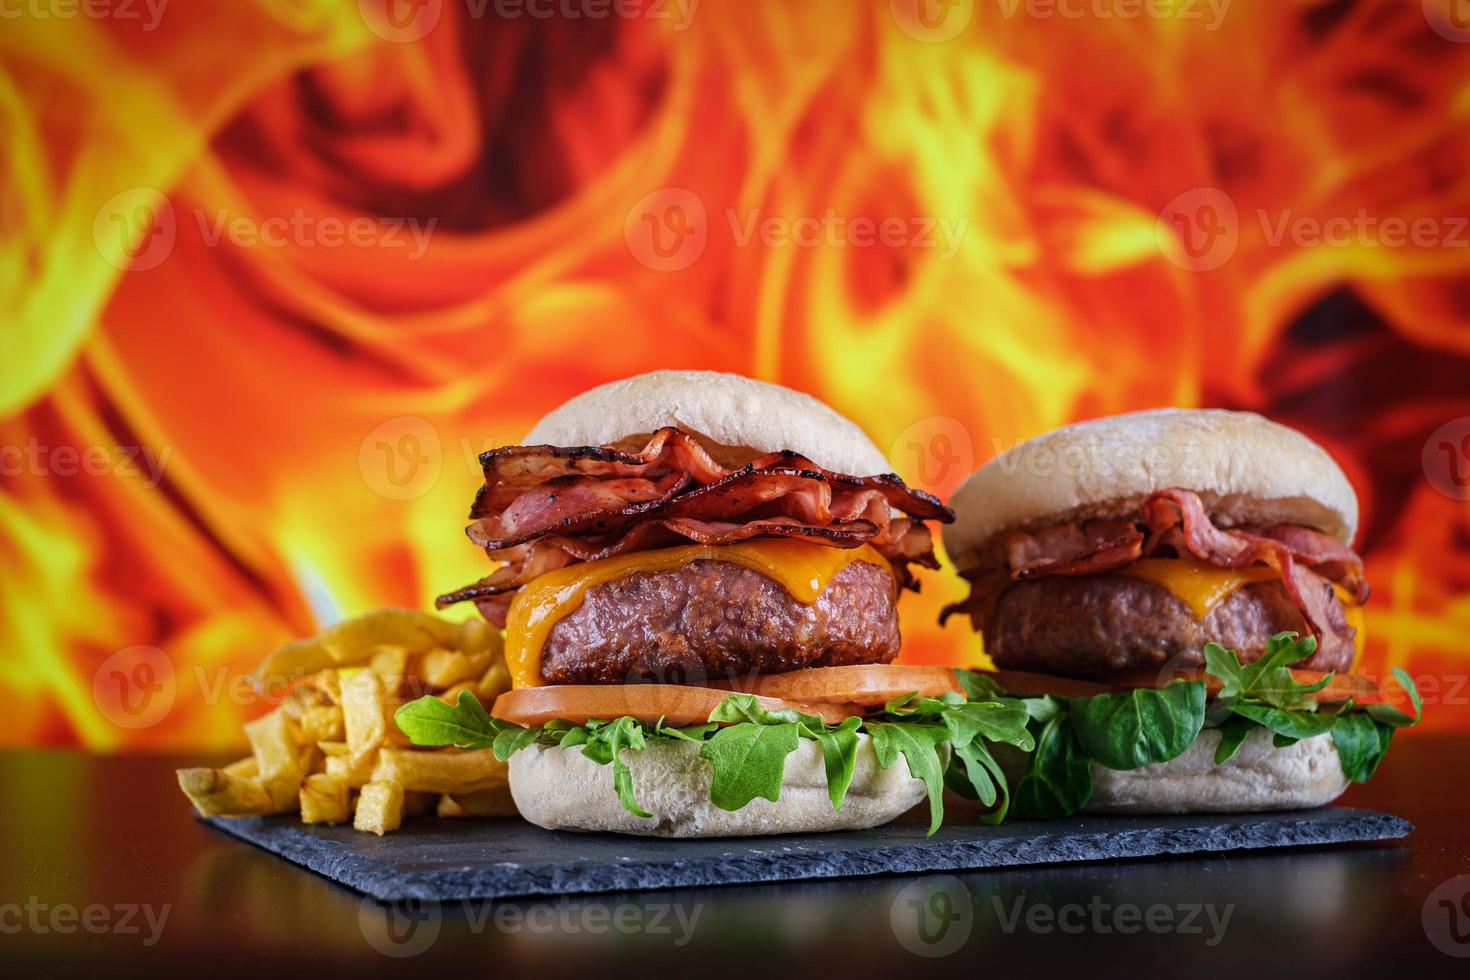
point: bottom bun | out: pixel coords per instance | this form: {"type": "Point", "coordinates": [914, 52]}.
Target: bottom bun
{"type": "Point", "coordinates": [561, 789]}
{"type": "Point", "coordinates": [1259, 776]}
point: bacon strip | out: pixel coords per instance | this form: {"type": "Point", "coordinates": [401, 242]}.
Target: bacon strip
{"type": "Point", "coordinates": [545, 507]}
{"type": "Point", "coordinates": [1175, 520]}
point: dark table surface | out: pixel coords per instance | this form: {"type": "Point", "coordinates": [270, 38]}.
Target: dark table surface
{"type": "Point", "coordinates": [105, 871]}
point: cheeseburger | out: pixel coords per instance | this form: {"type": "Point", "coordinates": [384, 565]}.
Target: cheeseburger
{"type": "Point", "coordinates": [1175, 595]}
{"type": "Point", "coordinates": [698, 578]}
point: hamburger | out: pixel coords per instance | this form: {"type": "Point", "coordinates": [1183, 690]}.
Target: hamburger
{"type": "Point", "coordinates": [698, 575]}
{"type": "Point", "coordinates": [1175, 596]}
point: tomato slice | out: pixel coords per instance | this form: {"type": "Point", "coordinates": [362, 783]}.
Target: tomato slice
{"type": "Point", "coordinates": [871, 685]}
{"type": "Point", "coordinates": [677, 704]}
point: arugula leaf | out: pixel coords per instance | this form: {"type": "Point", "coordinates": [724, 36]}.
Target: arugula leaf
{"type": "Point", "coordinates": [1140, 727]}
{"type": "Point", "coordinates": [749, 761]}
{"type": "Point", "coordinates": [429, 721]}
{"type": "Point", "coordinates": [1390, 715]}
{"type": "Point", "coordinates": [623, 733]}
{"type": "Point", "coordinates": [747, 707]}
{"type": "Point", "coordinates": [919, 745]}
{"type": "Point", "coordinates": [1058, 782]}
{"type": "Point", "coordinates": [1291, 724]}
{"type": "Point", "coordinates": [977, 686]}
{"type": "Point", "coordinates": [1361, 742]}
{"type": "Point", "coordinates": [839, 757]}
{"type": "Point", "coordinates": [1233, 733]}
{"type": "Point", "coordinates": [1001, 720]}
{"type": "Point", "coordinates": [974, 774]}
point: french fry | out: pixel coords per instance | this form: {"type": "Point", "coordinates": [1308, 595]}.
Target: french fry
{"type": "Point", "coordinates": [477, 636]}
{"type": "Point", "coordinates": [445, 668]}
{"type": "Point", "coordinates": [322, 723]}
{"type": "Point", "coordinates": [287, 664]}
{"type": "Point", "coordinates": [379, 808]}
{"type": "Point", "coordinates": [276, 756]}
{"type": "Point", "coordinates": [329, 683]}
{"type": "Point", "coordinates": [221, 793]}
{"type": "Point", "coordinates": [362, 715]}
{"type": "Point", "coordinates": [339, 763]}
{"type": "Point", "coordinates": [484, 803]}
{"type": "Point", "coordinates": [324, 799]}
{"type": "Point", "coordinates": [442, 771]}
{"type": "Point", "coordinates": [391, 664]}
{"type": "Point", "coordinates": [331, 751]}
{"type": "Point", "coordinates": [354, 641]}
{"type": "Point", "coordinates": [495, 683]}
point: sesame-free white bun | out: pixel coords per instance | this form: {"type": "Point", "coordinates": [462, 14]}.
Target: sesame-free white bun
{"type": "Point", "coordinates": [561, 789]}
{"type": "Point", "coordinates": [1259, 776]}
{"type": "Point", "coordinates": [1245, 468]}
{"type": "Point", "coordinates": [727, 409]}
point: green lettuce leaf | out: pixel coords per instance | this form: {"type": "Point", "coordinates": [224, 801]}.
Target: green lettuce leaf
{"type": "Point", "coordinates": [1139, 727]}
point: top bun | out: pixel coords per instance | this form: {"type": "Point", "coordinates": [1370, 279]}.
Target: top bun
{"type": "Point", "coordinates": [727, 409]}
{"type": "Point", "coordinates": [1245, 468]}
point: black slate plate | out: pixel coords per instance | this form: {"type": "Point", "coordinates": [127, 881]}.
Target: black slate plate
{"type": "Point", "coordinates": [448, 860]}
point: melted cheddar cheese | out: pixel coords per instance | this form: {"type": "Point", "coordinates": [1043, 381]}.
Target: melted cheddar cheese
{"type": "Point", "coordinates": [1202, 587]}
{"type": "Point", "coordinates": [802, 569]}
{"type": "Point", "coordinates": [1198, 585]}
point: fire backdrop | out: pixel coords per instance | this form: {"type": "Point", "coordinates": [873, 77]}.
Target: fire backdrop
{"type": "Point", "coordinates": [273, 273]}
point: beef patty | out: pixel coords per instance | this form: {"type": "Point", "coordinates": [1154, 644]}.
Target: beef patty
{"type": "Point", "coordinates": [1091, 625]}
{"type": "Point", "coordinates": [715, 620]}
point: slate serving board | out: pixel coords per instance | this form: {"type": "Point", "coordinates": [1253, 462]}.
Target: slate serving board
{"type": "Point", "coordinates": [449, 860]}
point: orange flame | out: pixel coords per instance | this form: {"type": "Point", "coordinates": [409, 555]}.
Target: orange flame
{"type": "Point", "coordinates": [274, 274]}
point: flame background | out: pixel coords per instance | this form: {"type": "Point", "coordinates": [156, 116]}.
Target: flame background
{"type": "Point", "coordinates": [317, 405]}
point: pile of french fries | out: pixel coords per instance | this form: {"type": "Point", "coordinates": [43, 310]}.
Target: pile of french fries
{"type": "Point", "coordinates": [330, 750]}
